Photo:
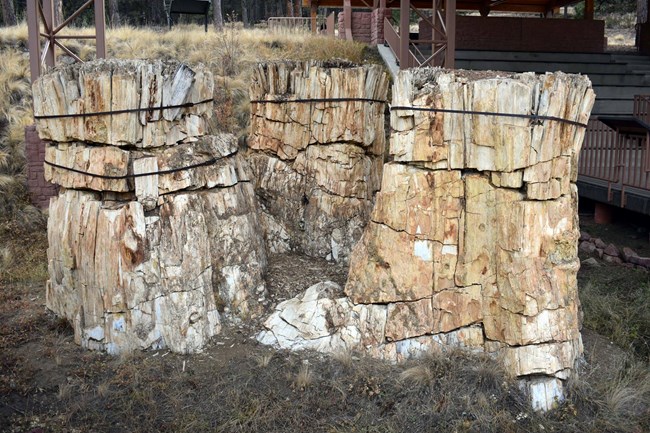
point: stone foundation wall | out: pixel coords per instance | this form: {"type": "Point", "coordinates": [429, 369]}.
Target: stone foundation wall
{"type": "Point", "coordinates": [40, 190]}
{"type": "Point", "coordinates": [377, 26]}
{"type": "Point", "coordinates": [362, 28]}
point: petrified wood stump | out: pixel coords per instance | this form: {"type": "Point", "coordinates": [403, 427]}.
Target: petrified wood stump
{"type": "Point", "coordinates": [473, 238]}
{"type": "Point", "coordinates": [154, 238]}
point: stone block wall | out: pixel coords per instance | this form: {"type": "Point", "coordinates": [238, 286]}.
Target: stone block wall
{"type": "Point", "coordinates": [377, 25]}
{"type": "Point", "coordinates": [362, 28]}
{"type": "Point", "coordinates": [40, 190]}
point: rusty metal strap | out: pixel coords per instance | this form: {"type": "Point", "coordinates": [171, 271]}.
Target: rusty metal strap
{"type": "Point", "coordinates": [133, 176]}
{"type": "Point", "coordinates": [316, 100]}
{"type": "Point", "coordinates": [533, 117]}
{"type": "Point", "coordinates": [130, 110]}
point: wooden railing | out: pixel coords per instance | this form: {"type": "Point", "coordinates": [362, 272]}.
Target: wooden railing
{"type": "Point", "coordinates": [442, 47]}
{"type": "Point", "coordinates": [642, 108]}
{"type": "Point", "coordinates": [292, 24]}
{"type": "Point", "coordinates": [620, 160]}
{"type": "Point", "coordinates": [392, 38]}
{"type": "Point", "coordinates": [599, 153]}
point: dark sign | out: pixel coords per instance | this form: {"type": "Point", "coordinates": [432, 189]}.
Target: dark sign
{"type": "Point", "coordinates": [193, 7]}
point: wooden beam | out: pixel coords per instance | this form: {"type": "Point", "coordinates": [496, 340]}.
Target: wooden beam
{"type": "Point", "coordinates": [404, 33]}
{"type": "Point", "coordinates": [537, 6]}
{"type": "Point", "coordinates": [34, 39]}
{"type": "Point", "coordinates": [450, 18]}
{"type": "Point", "coordinates": [589, 9]}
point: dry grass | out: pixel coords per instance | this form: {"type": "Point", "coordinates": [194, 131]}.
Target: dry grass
{"type": "Point", "coordinates": [615, 302]}
{"type": "Point", "coordinates": [311, 393]}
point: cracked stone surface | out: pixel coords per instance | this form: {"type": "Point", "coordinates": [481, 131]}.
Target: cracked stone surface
{"type": "Point", "coordinates": [472, 241]}
{"type": "Point", "coordinates": [316, 165]}
{"type": "Point", "coordinates": [158, 260]}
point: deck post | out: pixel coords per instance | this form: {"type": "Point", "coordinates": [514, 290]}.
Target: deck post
{"type": "Point", "coordinates": [314, 18]}
{"type": "Point", "coordinates": [347, 14]}
{"type": "Point", "coordinates": [404, 33]}
{"type": "Point", "coordinates": [450, 18]}
{"type": "Point", "coordinates": [589, 9]}
{"type": "Point", "coordinates": [34, 39]}
{"type": "Point", "coordinates": [100, 29]}
{"type": "Point", "coordinates": [434, 18]}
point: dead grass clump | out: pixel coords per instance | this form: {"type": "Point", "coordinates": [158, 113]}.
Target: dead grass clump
{"type": "Point", "coordinates": [615, 303]}
{"type": "Point", "coordinates": [23, 251]}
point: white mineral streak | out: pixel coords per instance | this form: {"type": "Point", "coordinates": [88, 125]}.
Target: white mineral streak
{"type": "Point", "coordinates": [317, 165]}
{"type": "Point", "coordinates": [472, 241]}
{"type": "Point", "coordinates": [151, 261]}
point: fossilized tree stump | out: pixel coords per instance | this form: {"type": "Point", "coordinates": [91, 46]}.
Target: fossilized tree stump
{"type": "Point", "coordinates": [154, 238]}
{"type": "Point", "coordinates": [473, 238]}
{"type": "Point", "coordinates": [317, 140]}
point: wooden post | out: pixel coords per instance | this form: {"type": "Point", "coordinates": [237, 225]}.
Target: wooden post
{"type": "Point", "coordinates": [34, 39]}
{"type": "Point", "coordinates": [347, 13]}
{"type": "Point", "coordinates": [434, 18]}
{"type": "Point", "coordinates": [450, 18]}
{"type": "Point", "coordinates": [589, 9]}
{"type": "Point", "coordinates": [330, 24]}
{"type": "Point", "coordinates": [404, 33]}
{"type": "Point", "coordinates": [100, 29]}
{"type": "Point", "coordinates": [314, 18]}
{"type": "Point", "coordinates": [48, 15]}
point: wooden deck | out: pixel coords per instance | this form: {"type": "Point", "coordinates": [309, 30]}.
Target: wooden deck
{"type": "Point", "coordinates": [614, 164]}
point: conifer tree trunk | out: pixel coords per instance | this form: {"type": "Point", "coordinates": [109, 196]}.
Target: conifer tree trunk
{"type": "Point", "coordinates": [58, 11]}
{"type": "Point", "coordinates": [8, 13]}
{"type": "Point", "coordinates": [114, 13]}
{"type": "Point", "coordinates": [218, 15]}
{"type": "Point", "coordinates": [245, 4]}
